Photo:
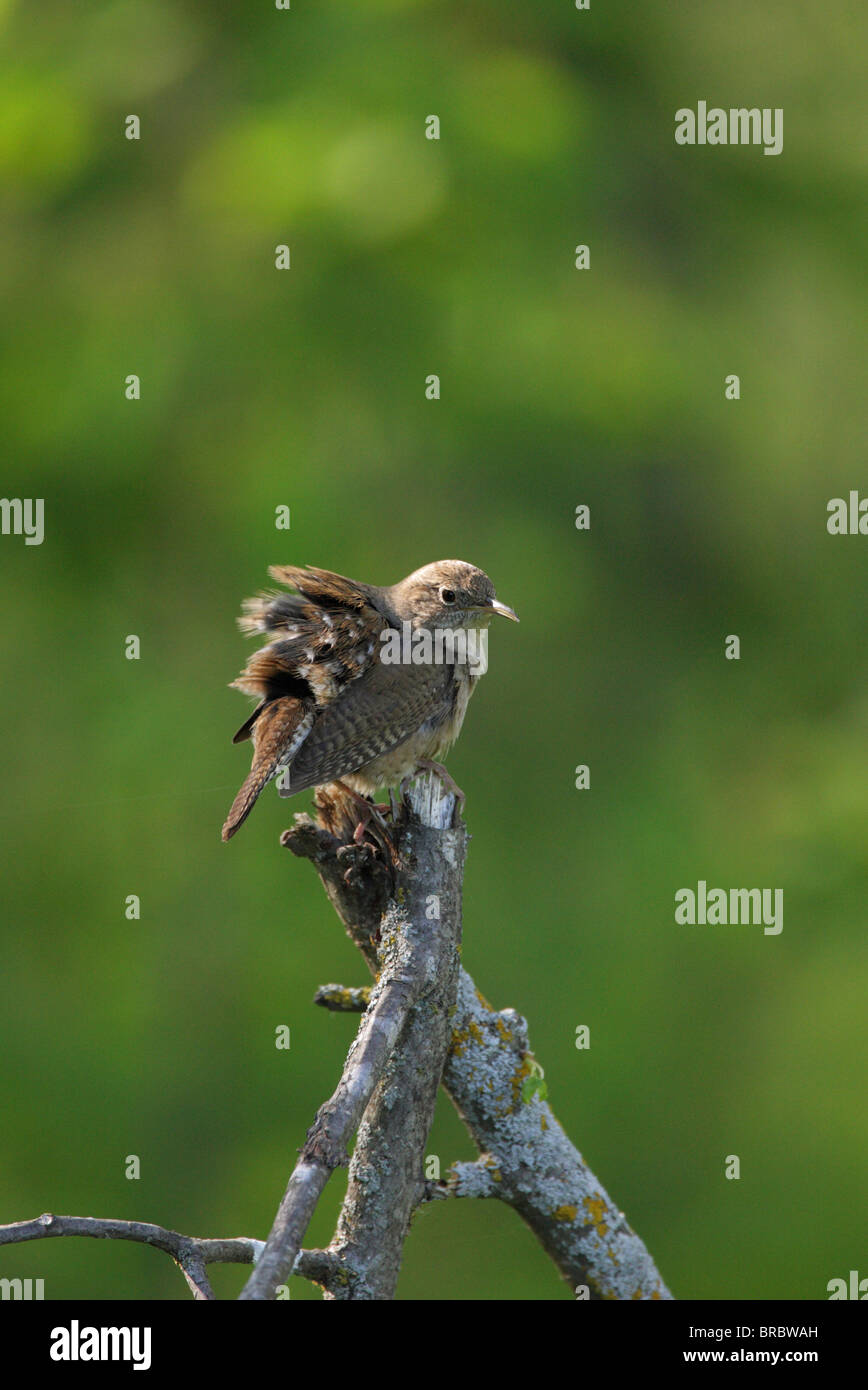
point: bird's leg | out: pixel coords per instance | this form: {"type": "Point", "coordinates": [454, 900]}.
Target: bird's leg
{"type": "Point", "coordinates": [426, 765]}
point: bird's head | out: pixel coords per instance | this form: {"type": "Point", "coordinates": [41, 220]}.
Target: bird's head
{"type": "Point", "coordinates": [449, 593]}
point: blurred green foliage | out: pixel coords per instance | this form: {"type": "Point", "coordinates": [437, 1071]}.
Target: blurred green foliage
{"type": "Point", "coordinates": [306, 388]}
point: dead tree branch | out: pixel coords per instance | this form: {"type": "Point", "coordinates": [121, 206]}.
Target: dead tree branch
{"type": "Point", "coordinates": [423, 1021]}
{"type": "Point", "coordinates": [527, 1161]}
{"type": "Point", "coordinates": [386, 1181]}
{"type": "Point", "coordinates": [190, 1253]}
{"type": "Point", "coordinates": [394, 1067]}
{"type": "Point", "coordinates": [526, 1158]}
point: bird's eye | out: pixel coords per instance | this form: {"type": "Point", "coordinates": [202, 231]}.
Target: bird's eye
{"type": "Point", "coordinates": [447, 595]}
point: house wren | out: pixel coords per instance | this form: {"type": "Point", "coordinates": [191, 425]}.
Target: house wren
{"type": "Point", "coordinates": [360, 687]}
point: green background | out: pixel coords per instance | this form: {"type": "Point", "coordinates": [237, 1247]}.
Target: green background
{"type": "Point", "coordinates": [559, 387]}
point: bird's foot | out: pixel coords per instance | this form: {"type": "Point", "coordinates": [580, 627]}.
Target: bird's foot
{"type": "Point", "coordinates": [364, 869]}
{"type": "Point", "coordinates": [372, 825]}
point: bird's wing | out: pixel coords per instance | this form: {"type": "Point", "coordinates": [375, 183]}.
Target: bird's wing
{"type": "Point", "coordinates": [317, 647]}
{"type": "Point", "coordinates": [370, 716]}
{"type": "Point", "coordinates": [322, 587]}
{"type": "Point", "coordinates": [317, 591]}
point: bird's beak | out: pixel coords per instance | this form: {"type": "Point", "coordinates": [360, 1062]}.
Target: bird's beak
{"type": "Point", "coordinates": [503, 610]}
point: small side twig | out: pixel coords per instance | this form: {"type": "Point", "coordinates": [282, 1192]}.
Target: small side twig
{"type": "Point", "coordinates": [343, 999]}
{"type": "Point", "coordinates": [191, 1254]}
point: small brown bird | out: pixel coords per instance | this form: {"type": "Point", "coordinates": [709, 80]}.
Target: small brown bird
{"type": "Point", "coordinates": [360, 686]}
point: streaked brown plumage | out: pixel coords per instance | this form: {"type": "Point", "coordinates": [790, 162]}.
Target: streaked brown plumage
{"type": "Point", "coordinates": [331, 711]}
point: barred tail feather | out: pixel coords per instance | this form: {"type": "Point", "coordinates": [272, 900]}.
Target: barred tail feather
{"type": "Point", "coordinates": [246, 799]}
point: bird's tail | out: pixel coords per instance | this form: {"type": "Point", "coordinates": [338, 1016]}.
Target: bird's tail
{"type": "Point", "coordinates": [260, 775]}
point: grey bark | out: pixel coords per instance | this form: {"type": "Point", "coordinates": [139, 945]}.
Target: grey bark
{"type": "Point", "coordinates": [386, 1180]}
{"type": "Point", "coordinates": [527, 1161]}
{"type": "Point", "coordinates": [393, 1069]}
